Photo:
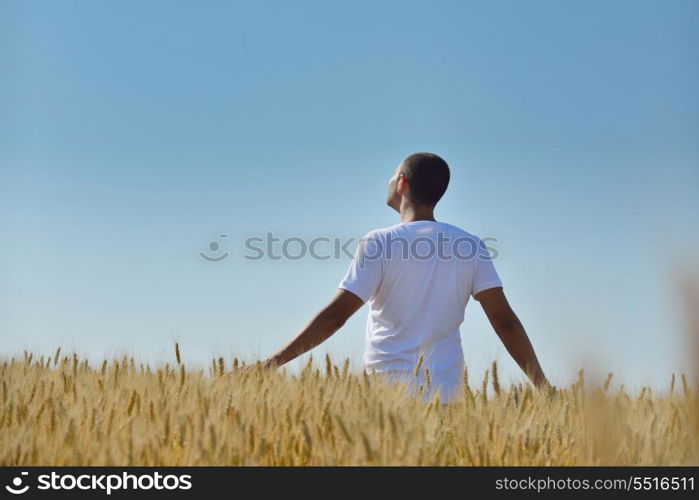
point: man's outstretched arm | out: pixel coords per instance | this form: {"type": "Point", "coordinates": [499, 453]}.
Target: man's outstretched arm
{"type": "Point", "coordinates": [325, 323]}
{"type": "Point", "coordinates": [511, 332]}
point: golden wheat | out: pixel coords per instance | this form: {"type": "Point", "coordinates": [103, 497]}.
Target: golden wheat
{"type": "Point", "coordinates": [61, 411]}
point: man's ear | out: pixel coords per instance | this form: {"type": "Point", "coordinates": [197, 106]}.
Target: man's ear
{"type": "Point", "coordinates": [402, 184]}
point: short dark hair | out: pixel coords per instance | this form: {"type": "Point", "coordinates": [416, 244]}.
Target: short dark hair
{"type": "Point", "coordinates": [428, 177]}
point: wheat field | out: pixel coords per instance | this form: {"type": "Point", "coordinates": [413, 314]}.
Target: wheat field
{"type": "Point", "coordinates": [60, 410]}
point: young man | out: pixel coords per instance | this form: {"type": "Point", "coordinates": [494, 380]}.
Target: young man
{"type": "Point", "coordinates": [417, 277]}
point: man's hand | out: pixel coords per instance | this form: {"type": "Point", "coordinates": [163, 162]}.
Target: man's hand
{"type": "Point", "coordinates": [325, 323]}
{"type": "Point", "coordinates": [511, 332]}
{"type": "Point", "coordinates": [249, 368]}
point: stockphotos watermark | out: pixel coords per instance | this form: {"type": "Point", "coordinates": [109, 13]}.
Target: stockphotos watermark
{"type": "Point", "coordinates": [323, 248]}
{"type": "Point", "coordinates": [102, 483]}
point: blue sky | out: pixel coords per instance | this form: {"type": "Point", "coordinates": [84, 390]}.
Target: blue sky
{"type": "Point", "coordinates": [133, 133]}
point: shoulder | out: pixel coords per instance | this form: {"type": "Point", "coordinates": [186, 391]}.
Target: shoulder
{"type": "Point", "coordinates": [468, 242]}
{"type": "Point", "coordinates": [381, 233]}
{"type": "Point", "coordinates": [372, 243]}
{"type": "Point", "coordinates": [458, 232]}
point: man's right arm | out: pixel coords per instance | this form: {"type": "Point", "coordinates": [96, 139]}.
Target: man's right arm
{"type": "Point", "coordinates": [511, 332]}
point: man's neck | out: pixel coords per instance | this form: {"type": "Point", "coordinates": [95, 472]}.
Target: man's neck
{"type": "Point", "coordinates": [412, 213]}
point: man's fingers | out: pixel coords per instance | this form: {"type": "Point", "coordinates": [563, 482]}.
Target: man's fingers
{"type": "Point", "coordinates": [250, 367]}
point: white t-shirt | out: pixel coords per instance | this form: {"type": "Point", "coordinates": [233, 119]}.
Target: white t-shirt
{"type": "Point", "coordinates": [417, 278]}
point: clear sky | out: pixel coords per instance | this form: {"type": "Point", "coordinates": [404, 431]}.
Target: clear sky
{"type": "Point", "coordinates": [133, 133]}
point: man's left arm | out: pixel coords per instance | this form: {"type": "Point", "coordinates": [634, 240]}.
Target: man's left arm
{"type": "Point", "coordinates": [321, 327]}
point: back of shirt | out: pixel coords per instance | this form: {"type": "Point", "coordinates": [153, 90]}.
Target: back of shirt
{"type": "Point", "coordinates": [417, 278]}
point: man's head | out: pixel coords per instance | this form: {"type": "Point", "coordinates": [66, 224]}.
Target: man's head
{"type": "Point", "coordinates": [421, 178]}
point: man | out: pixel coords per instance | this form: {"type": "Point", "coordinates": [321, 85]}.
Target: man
{"type": "Point", "coordinates": [417, 277]}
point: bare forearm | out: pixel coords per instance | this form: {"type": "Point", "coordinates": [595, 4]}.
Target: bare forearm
{"type": "Point", "coordinates": [517, 343]}
{"type": "Point", "coordinates": [326, 322]}
{"type": "Point", "coordinates": [511, 332]}
{"type": "Point", "coordinates": [318, 329]}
